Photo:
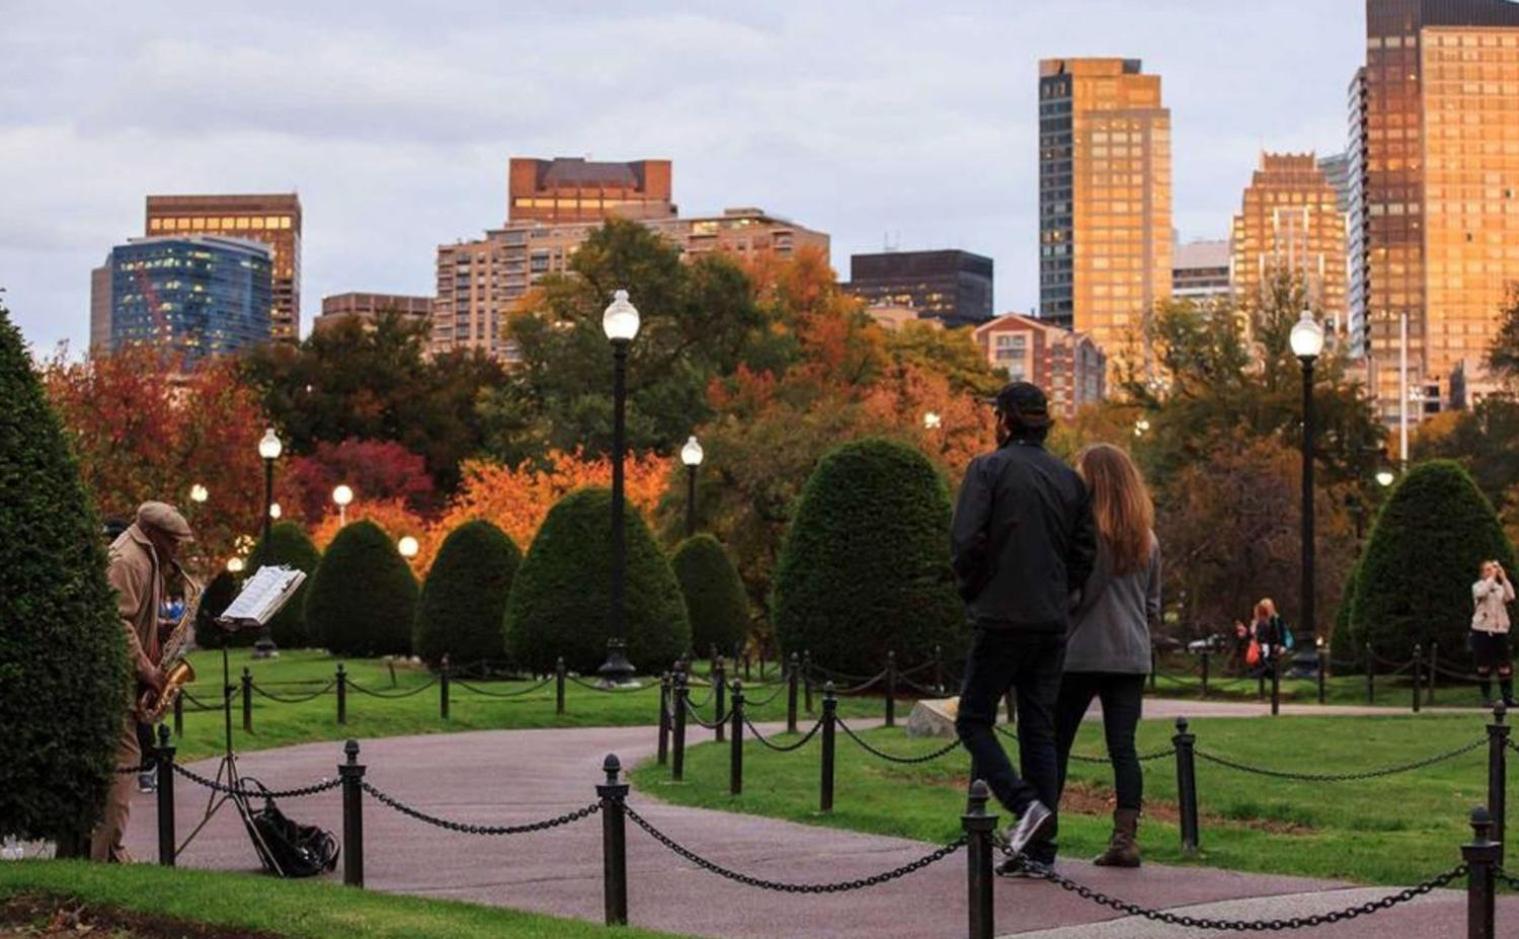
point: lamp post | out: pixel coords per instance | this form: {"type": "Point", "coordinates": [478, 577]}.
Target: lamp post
{"type": "Point", "coordinates": [199, 494]}
{"type": "Point", "coordinates": [1307, 341]}
{"type": "Point", "coordinates": [691, 455]}
{"type": "Point", "coordinates": [932, 420]}
{"type": "Point", "coordinates": [269, 449]}
{"type": "Point", "coordinates": [342, 495]}
{"type": "Point", "coordinates": [620, 323]}
{"type": "Point", "coordinates": [408, 547]}
{"type": "Point", "coordinates": [1385, 476]}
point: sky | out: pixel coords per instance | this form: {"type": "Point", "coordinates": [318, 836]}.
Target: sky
{"type": "Point", "coordinates": [909, 124]}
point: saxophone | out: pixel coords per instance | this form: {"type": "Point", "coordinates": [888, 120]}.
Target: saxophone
{"type": "Point", "coordinates": [178, 671]}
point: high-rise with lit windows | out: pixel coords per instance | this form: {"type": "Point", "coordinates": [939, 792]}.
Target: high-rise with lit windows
{"type": "Point", "coordinates": [274, 219]}
{"type": "Point", "coordinates": [1104, 201]}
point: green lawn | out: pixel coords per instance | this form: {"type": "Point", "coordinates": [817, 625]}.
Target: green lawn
{"type": "Point", "coordinates": [1394, 830]}
{"type": "Point", "coordinates": [278, 724]}
{"type": "Point", "coordinates": [314, 909]}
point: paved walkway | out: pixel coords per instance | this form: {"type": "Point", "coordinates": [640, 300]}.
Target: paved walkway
{"type": "Point", "coordinates": [499, 777]}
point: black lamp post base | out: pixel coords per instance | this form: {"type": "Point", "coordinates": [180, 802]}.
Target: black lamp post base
{"type": "Point", "coordinates": [616, 670]}
{"type": "Point", "coordinates": [265, 648]}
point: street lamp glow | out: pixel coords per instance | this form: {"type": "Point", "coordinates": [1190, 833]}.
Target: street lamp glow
{"type": "Point", "coordinates": [408, 547]}
{"type": "Point", "coordinates": [199, 493]}
{"type": "Point", "coordinates": [1307, 337]}
{"type": "Point", "coordinates": [275, 510]}
{"type": "Point", "coordinates": [932, 420]}
{"type": "Point", "coordinates": [342, 495]}
{"type": "Point", "coordinates": [234, 565]}
{"type": "Point", "coordinates": [1385, 477]}
{"type": "Point", "coordinates": [270, 447]}
{"type": "Point", "coordinates": [691, 454]}
{"type": "Point", "coordinates": [620, 321]}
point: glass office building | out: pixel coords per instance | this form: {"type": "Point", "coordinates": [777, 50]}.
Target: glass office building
{"type": "Point", "coordinates": [192, 296]}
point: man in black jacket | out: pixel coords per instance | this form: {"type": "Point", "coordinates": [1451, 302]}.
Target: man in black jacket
{"type": "Point", "coordinates": [1022, 543]}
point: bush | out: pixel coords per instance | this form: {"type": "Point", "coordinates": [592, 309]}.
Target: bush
{"type": "Point", "coordinates": [464, 600]}
{"type": "Point", "coordinates": [1415, 579]}
{"type": "Point", "coordinates": [363, 597]}
{"type": "Point", "coordinates": [715, 599]}
{"type": "Point", "coordinates": [865, 567]}
{"type": "Point", "coordinates": [220, 593]}
{"type": "Point", "coordinates": [288, 545]}
{"type": "Point", "coordinates": [65, 682]}
{"type": "Point", "coordinates": [561, 597]}
{"type": "Point", "coordinates": [1342, 643]}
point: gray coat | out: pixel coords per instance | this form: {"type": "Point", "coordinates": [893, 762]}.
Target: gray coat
{"type": "Point", "coordinates": [1110, 627]}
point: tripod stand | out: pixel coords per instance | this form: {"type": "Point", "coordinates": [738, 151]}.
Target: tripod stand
{"type": "Point", "coordinates": [227, 774]}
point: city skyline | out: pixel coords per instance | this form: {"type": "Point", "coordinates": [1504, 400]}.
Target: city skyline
{"type": "Point", "coordinates": [915, 128]}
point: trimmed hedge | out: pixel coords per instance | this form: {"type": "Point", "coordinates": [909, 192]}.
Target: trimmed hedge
{"type": "Point", "coordinates": [1415, 579]}
{"type": "Point", "coordinates": [715, 600]}
{"type": "Point", "coordinates": [865, 566]}
{"type": "Point", "coordinates": [65, 682]}
{"type": "Point", "coordinates": [220, 593]}
{"type": "Point", "coordinates": [464, 600]}
{"type": "Point", "coordinates": [288, 545]}
{"type": "Point", "coordinates": [1342, 643]}
{"type": "Point", "coordinates": [363, 597]}
{"type": "Point", "coordinates": [560, 600]}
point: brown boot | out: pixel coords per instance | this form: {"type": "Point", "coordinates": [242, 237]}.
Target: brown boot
{"type": "Point", "coordinates": [1123, 847]}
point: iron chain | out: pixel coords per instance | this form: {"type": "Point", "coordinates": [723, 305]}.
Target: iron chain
{"type": "Point", "coordinates": [891, 758]}
{"type": "Point", "coordinates": [467, 829]}
{"type": "Point", "coordinates": [843, 886]}
{"type": "Point", "coordinates": [1081, 758]}
{"type": "Point", "coordinates": [1342, 777]}
{"type": "Point", "coordinates": [783, 747]}
{"type": "Point", "coordinates": [501, 694]}
{"type": "Point", "coordinates": [1509, 879]}
{"type": "Point", "coordinates": [697, 718]}
{"type": "Point", "coordinates": [301, 699]}
{"type": "Point", "coordinates": [259, 793]}
{"type": "Point", "coordinates": [390, 694]}
{"type": "Point", "coordinates": [590, 686]}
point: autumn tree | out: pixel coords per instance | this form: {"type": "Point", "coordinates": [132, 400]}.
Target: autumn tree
{"type": "Point", "coordinates": [373, 469]}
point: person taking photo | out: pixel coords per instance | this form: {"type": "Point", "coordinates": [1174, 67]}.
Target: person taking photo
{"type": "Point", "coordinates": [1491, 595]}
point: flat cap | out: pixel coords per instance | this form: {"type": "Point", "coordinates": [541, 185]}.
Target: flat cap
{"type": "Point", "coordinates": [165, 519]}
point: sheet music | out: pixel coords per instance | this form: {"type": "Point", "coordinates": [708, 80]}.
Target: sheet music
{"type": "Point", "coordinates": [269, 589]}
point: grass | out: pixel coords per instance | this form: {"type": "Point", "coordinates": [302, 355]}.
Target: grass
{"type": "Point", "coordinates": [279, 724]}
{"type": "Point", "coordinates": [1392, 830]}
{"type": "Point", "coordinates": [307, 909]}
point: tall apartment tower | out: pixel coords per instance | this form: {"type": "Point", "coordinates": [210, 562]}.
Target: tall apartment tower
{"type": "Point", "coordinates": [1435, 123]}
{"type": "Point", "coordinates": [1104, 201]}
{"type": "Point", "coordinates": [570, 189]}
{"type": "Point", "coordinates": [1290, 223]}
{"type": "Point", "coordinates": [273, 218]}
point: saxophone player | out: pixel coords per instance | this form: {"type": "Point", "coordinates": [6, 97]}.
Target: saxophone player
{"type": "Point", "coordinates": [140, 561]}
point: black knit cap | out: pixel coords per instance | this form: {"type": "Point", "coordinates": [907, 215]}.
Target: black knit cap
{"type": "Point", "coordinates": [1025, 403]}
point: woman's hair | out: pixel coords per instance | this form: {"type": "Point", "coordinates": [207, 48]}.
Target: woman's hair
{"type": "Point", "coordinates": [1265, 609]}
{"type": "Point", "coordinates": [1121, 504]}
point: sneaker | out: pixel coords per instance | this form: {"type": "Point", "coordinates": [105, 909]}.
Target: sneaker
{"type": "Point", "coordinates": [1035, 823]}
{"type": "Point", "coordinates": [1020, 867]}
{"type": "Point", "coordinates": [147, 782]}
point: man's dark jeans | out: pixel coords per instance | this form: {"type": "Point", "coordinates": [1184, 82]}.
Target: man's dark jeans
{"type": "Point", "coordinates": [1029, 663]}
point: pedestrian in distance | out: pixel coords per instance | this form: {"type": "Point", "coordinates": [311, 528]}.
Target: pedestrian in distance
{"type": "Point", "coordinates": [1271, 635]}
{"type": "Point", "coordinates": [1107, 652]}
{"type": "Point", "coordinates": [1488, 638]}
{"type": "Point", "coordinates": [1022, 541]}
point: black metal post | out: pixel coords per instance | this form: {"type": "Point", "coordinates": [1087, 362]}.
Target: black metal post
{"type": "Point", "coordinates": [617, 669]}
{"type": "Point", "coordinates": [342, 680]}
{"type": "Point", "coordinates": [351, 772]}
{"type": "Point", "coordinates": [1308, 627]}
{"type": "Point", "coordinates": [1482, 855]}
{"type": "Point", "coordinates": [830, 717]}
{"type": "Point", "coordinates": [891, 689]}
{"type": "Point", "coordinates": [179, 715]}
{"type": "Point", "coordinates": [719, 694]}
{"type": "Point", "coordinates": [939, 669]}
{"type": "Point", "coordinates": [1434, 661]}
{"type": "Point", "coordinates": [164, 757]}
{"type": "Point", "coordinates": [1276, 682]}
{"type": "Point", "coordinates": [1323, 670]}
{"type": "Point", "coordinates": [614, 843]}
{"type": "Point", "coordinates": [736, 749]}
{"type": "Point", "coordinates": [264, 648]}
{"type": "Point", "coordinates": [678, 756]}
{"type": "Point", "coordinates": [443, 689]}
{"type": "Point", "coordinates": [979, 826]}
{"type": "Point", "coordinates": [1418, 676]}
{"type": "Point", "coordinates": [664, 719]}
{"type": "Point", "coordinates": [690, 501]}
{"type": "Point", "coordinates": [1260, 683]}
{"type": "Point", "coordinates": [1205, 673]}
{"type": "Point", "coordinates": [247, 701]}
{"type": "Point", "coordinates": [559, 685]}
{"type": "Point", "coordinates": [1186, 786]}
{"type": "Point", "coordinates": [791, 681]}
{"type": "Point", "coordinates": [1371, 679]}
{"type": "Point", "coordinates": [1153, 668]}
{"type": "Point", "coordinates": [1010, 704]}
{"type": "Point", "coordinates": [1497, 772]}
{"type": "Point", "coordinates": [748, 660]}
{"type": "Point", "coordinates": [807, 679]}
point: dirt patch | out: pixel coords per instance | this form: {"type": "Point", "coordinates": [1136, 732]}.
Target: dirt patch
{"type": "Point", "coordinates": [45, 916]}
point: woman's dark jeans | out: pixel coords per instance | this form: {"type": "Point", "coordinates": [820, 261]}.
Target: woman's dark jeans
{"type": "Point", "coordinates": [1121, 696]}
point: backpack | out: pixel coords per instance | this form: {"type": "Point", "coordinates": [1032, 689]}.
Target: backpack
{"type": "Point", "coordinates": [285, 847]}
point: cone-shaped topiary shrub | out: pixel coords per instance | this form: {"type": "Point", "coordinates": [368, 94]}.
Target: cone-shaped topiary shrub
{"type": "Point", "coordinates": [865, 567]}
{"type": "Point", "coordinates": [65, 684]}
{"type": "Point", "coordinates": [289, 546]}
{"type": "Point", "coordinates": [715, 599]}
{"type": "Point", "coordinates": [560, 602]}
{"type": "Point", "coordinates": [363, 598]}
{"type": "Point", "coordinates": [1342, 643]}
{"type": "Point", "coordinates": [464, 600]}
{"type": "Point", "coordinates": [1415, 579]}
{"type": "Point", "coordinates": [220, 593]}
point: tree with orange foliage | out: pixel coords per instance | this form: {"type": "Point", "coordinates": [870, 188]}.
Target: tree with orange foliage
{"type": "Point", "coordinates": [395, 517]}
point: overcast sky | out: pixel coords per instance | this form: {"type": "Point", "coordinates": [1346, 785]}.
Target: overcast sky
{"type": "Point", "coordinates": [913, 122]}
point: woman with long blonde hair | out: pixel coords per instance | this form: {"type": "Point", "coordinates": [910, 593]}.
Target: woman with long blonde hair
{"type": "Point", "coordinates": [1108, 646]}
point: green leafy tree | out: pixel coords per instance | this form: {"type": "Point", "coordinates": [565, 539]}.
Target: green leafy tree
{"type": "Point", "coordinates": [865, 567]}
{"type": "Point", "coordinates": [289, 545]}
{"type": "Point", "coordinates": [562, 594]}
{"type": "Point", "coordinates": [464, 599]}
{"type": "Point", "coordinates": [714, 594]}
{"type": "Point", "coordinates": [1503, 353]}
{"type": "Point", "coordinates": [363, 598]}
{"type": "Point", "coordinates": [1484, 439]}
{"type": "Point", "coordinates": [1414, 584]}
{"type": "Point", "coordinates": [65, 685]}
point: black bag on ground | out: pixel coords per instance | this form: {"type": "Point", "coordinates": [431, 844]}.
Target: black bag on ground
{"type": "Point", "coordinates": [287, 848]}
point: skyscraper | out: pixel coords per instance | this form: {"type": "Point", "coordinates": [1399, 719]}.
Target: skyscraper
{"type": "Point", "coordinates": [953, 287]}
{"type": "Point", "coordinates": [570, 189]}
{"type": "Point", "coordinates": [1290, 224]}
{"type": "Point", "coordinates": [274, 219]}
{"type": "Point", "coordinates": [1200, 271]}
{"type": "Point", "coordinates": [1435, 135]}
{"type": "Point", "coordinates": [1104, 200]}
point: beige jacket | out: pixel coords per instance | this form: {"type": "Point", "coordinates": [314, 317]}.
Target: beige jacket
{"type": "Point", "coordinates": [138, 578]}
{"type": "Point", "coordinates": [1490, 598]}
